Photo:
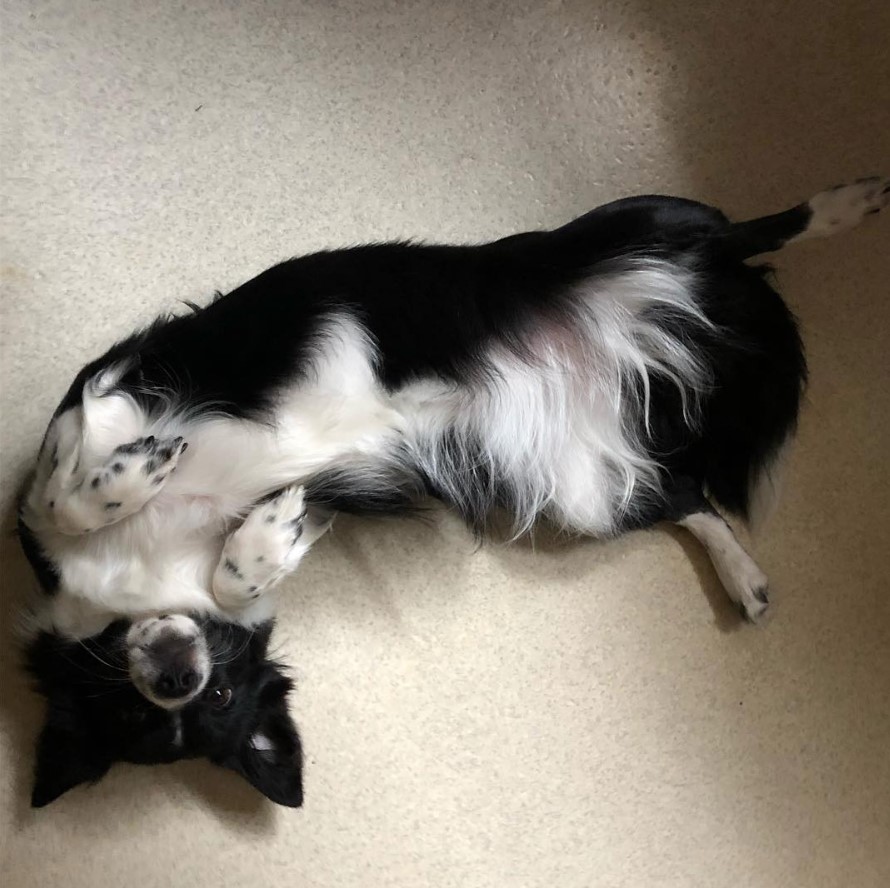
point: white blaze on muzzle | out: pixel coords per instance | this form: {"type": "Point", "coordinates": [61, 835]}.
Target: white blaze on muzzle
{"type": "Point", "coordinates": [168, 659]}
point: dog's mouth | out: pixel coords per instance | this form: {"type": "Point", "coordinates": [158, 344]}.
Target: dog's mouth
{"type": "Point", "coordinates": [168, 659]}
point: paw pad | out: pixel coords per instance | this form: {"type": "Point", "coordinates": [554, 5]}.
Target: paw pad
{"type": "Point", "coordinates": [134, 473]}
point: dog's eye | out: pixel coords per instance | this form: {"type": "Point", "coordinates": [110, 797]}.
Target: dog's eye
{"type": "Point", "coordinates": [221, 697]}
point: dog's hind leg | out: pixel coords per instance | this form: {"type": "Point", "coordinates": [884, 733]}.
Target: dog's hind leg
{"type": "Point", "coordinates": [269, 545]}
{"type": "Point", "coordinates": [745, 583]}
{"type": "Point", "coordinates": [829, 212]}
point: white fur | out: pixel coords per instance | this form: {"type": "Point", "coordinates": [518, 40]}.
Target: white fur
{"type": "Point", "coordinates": [163, 557]}
{"type": "Point", "coordinates": [553, 426]}
{"type": "Point", "coordinates": [746, 584]}
{"type": "Point", "coordinates": [269, 545]}
{"type": "Point", "coordinates": [145, 666]}
{"type": "Point", "coordinates": [262, 743]}
{"type": "Point", "coordinates": [840, 209]}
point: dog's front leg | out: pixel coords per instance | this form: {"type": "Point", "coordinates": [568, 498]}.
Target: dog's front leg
{"type": "Point", "coordinates": [266, 547]}
{"type": "Point", "coordinates": [98, 465]}
{"type": "Point", "coordinates": [83, 500]}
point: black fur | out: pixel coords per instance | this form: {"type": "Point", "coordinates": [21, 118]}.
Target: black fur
{"type": "Point", "coordinates": [433, 309]}
{"type": "Point", "coordinates": [96, 716]}
{"type": "Point", "coordinates": [46, 572]}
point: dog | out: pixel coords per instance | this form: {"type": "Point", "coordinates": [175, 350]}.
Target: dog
{"type": "Point", "coordinates": [624, 369]}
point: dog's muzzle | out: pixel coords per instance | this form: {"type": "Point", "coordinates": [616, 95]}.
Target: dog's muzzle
{"type": "Point", "coordinates": [168, 659]}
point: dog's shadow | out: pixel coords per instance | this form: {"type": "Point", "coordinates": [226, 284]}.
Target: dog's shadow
{"type": "Point", "coordinates": [548, 544]}
{"type": "Point", "coordinates": [380, 567]}
{"type": "Point", "coordinates": [228, 796]}
{"type": "Point", "coordinates": [21, 710]}
{"type": "Point", "coordinates": [726, 617]}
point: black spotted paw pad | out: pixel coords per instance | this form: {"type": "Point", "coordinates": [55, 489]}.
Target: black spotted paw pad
{"type": "Point", "coordinates": [132, 475]}
{"type": "Point", "coordinates": [263, 549]}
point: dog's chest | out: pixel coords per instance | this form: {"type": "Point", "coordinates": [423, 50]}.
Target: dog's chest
{"type": "Point", "coordinates": [157, 560]}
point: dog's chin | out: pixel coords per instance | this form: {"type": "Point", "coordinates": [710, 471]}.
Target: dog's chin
{"type": "Point", "coordinates": [168, 659]}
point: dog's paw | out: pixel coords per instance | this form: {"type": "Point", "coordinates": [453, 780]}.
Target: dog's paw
{"type": "Point", "coordinates": [133, 474]}
{"type": "Point", "coordinates": [748, 587]}
{"type": "Point", "coordinates": [754, 604]}
{"type": "Point", "coordinates": [845, 206]}
{"type": "Point", "coordinates": [266, 547]}
{"type": "Point", "coordinates": [146, 462]}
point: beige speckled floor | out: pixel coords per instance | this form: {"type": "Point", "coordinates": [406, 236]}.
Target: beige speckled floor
{"type": "Point", "coordinates": [591, 716]}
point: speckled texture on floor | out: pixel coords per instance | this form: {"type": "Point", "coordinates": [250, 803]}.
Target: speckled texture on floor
{"type": "Point", "coordinates": [587, 715]}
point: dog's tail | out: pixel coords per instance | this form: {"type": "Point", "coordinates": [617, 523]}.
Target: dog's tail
{"type": "Point", "coordinates": [829, 212]}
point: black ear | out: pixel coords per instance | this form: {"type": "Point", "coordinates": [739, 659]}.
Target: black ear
{"type": "Point", "coordinates": [271, 758]}
{"type": "Point", "coordinates": [65, 756]}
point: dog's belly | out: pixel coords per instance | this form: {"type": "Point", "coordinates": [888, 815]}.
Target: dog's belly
{"type": "Point", "coordinates": [159, 560]}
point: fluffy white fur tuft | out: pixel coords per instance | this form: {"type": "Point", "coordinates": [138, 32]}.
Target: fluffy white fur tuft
{"type": "Point", "coordinates": [559, 428]}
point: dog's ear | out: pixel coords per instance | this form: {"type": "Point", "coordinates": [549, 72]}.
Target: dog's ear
{"type": "Point", "coordinates": [271, 758]}
{"type": "Point", "coordinates": [66, 757]}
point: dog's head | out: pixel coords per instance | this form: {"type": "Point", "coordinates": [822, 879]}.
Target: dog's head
{"type": "Point", "coordinates": [162, 689]}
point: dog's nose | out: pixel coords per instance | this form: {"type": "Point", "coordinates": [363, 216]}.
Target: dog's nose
{"type": "Point", "coordinates": [177, 682]}
{"type": "Point", "coordinates": [175, 657]}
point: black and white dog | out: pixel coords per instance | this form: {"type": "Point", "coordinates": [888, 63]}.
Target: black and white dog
{"type": "Point", "coordinates": [624, 369]}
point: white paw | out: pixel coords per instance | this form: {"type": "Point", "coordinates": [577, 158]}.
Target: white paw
{"type": "Point", "coordinates": [846, 206]}
{"type": "Point", "coordinates": [747, 585]}
{"type": "Point", "coordinates": [266, 547]}
{"type": "Point", "coordinates": [83, 501]}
